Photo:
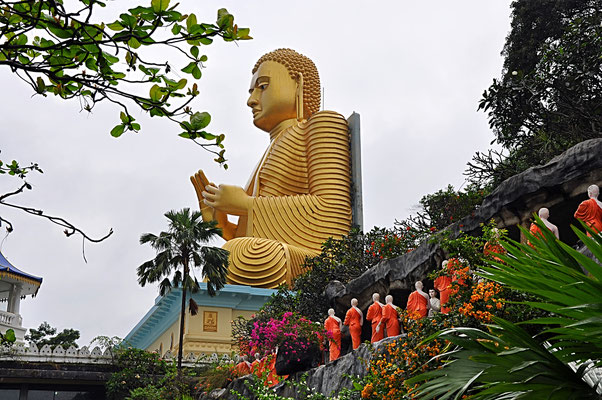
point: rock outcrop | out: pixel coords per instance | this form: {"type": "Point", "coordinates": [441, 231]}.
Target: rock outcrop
{"type": "Point", "coordinates": [327, 379]}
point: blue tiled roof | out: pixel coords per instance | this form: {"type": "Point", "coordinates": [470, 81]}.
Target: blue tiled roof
{"type": "Point", "coordinates": [166, 310]}
{"type": "Point", "coordinates": [6, 266]}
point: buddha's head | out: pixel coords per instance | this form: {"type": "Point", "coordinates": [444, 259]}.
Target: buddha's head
{"type": "Point", "coordinates": [281, 80]}
{"type": "Point", "coordinates": [432, 293]}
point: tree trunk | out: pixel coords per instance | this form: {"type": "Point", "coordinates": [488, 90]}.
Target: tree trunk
{"type": "Point", "coordinates": [182, 315]}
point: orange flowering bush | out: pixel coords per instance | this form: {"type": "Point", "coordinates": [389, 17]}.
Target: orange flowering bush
{"type": "Point", "coordinates": [484, 301]}
{"type": "Point", "coordinates": [394, 362]}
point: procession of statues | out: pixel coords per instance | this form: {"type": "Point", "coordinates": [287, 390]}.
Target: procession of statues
{"type": "Point", "coordinates": [299, 196]}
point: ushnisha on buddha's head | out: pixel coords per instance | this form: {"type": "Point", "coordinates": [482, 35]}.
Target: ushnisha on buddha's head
{"type": "Point", "coordinates": [285, 86]}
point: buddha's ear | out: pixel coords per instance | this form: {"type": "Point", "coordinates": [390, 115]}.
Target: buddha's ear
{"type": "Point", "coordinates": [299, 97]}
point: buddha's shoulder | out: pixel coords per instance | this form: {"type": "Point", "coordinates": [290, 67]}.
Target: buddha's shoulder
{"type": "Point", "coordinates": [327, 117]}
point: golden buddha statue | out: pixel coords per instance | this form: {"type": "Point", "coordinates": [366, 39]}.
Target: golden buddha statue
{"type": "Point", "coordinates": [299, 194]}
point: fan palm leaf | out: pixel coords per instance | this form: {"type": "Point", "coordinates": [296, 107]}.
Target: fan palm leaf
{"type": "Point", "coordinates": [507, 363]}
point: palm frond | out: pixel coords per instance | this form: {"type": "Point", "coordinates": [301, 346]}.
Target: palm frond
{"type": "Point", "coordinates": [508, 362]}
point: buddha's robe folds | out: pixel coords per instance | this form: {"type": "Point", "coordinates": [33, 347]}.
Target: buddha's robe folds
{"type": "Point", "coordinates": [332, 325]}
{"type": "Point", "coordinates": [443, 285]}
{"type": "Point", "coordinates": [390, 321]}
{"type": "Point", "coordinates": [417, 305]}
{"type": "Point", "coordinates": [301, 197]}
{"type": "Point", "coordinates": [374, 315]}
{"type": "Point", "coordinates": [353, 319]}
{"type": "Point", "coordinates": [589, 211]}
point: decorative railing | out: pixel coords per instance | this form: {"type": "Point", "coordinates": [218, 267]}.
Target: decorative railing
{"type": "Point", "coordinates": [84, 355]}
{"type": "Point", "coordinates": [10, 319]}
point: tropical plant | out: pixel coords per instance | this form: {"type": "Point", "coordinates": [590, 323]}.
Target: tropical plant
{"type": "Point", "coordinates": [508, 362]}
{"type": "Point", "coordinates": [548, 98]}
{"type": "Point", "coordinates": [64, 49]}
{"type": "Point", "coordinates": [46, 334]}
{"type": "Point", "coordinates": [8, 338]}
{"type": "Point", "coordinates": [179, 250]}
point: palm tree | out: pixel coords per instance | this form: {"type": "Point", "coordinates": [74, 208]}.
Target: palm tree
{"type": "Point", "coordinates": [178, 250]}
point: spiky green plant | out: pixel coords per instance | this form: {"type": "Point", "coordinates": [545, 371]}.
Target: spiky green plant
{"type": "Point", "coordinates": [506, 362]}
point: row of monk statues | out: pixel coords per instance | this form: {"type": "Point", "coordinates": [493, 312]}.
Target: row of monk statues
{"type": "Point", "coordinates": [589, 212]}
{"type": "Point", "coordinates": [384, 318]}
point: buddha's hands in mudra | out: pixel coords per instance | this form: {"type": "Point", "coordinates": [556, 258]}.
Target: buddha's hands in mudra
{"type": "Point", "coordinates": [227, 198]}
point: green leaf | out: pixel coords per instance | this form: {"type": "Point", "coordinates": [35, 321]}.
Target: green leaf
{"type": "Point", "coordinates": [200, 120]}
{"type": "Point", "coordinates": [133, 42]}
{"type": "Point", "coordinates": [60, 32]}
{"type": "Point", "coordinates": [196, 72]}
{"type": "Point", "coordinates": [117, 130]}
{"type": "Point", "coordinates": [10, 336]}
{"type": "Point", "coordinates": [155, 92]}
{"type": "Point", "coordinates": [194, 51]}
{"type": "Point", "coordinates": [181, 84]}
{"type": "Point", "coordinates": [190, 22]}
{"type": "Point", "coordinates": [115, 26]}
{"type": "Point", "coordinates": [189, 68]}
{"type": "Point", "coordinates": [176, 29]}
{"type": "Point", "coordinates": [124, 118]}
{"type": "Point", "coordinates": [159, 5]}
{"type": "Point", "coordinates": [203, 58]}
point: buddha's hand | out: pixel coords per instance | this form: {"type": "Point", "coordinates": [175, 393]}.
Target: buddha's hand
{"type": "Point", "coordinates": [227, 198]}
{"type": "Point", "coordinates": [199, 181]}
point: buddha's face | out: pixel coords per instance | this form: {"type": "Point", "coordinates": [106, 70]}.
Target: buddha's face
{"type": "Point", "coordinates": [272, 95]}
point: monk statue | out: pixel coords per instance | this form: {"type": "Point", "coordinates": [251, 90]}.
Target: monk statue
{"type": "Point", "coordinates": [443, 285]}
{"type": "Point", "coordinates": [299, 194]}
{"type": "Point", "coordinates": [418, 302]}
{"type": "Point", "coordinates": [544, 214]}
{"type": "Point", "coordinates": [374, 315]}
{"type": "Point", "coordinates": [354, 319]}
{"type": "Point", "coordinates": [334, 325]}
{"type": "Point", "coordinates": [493, 247]}
{"type": "Point", "coordinates": [390, 318]}
{"type": "Point", "coordinates": [590, 211]}
{"type": "Point", "coordinates": [434, 303]}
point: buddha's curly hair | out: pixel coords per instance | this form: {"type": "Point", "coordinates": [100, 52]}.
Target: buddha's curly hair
{"type": "Point", "coordinates": [295, 63]}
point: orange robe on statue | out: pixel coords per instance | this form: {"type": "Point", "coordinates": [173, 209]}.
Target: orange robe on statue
{"type": "Point", "coordinates": [353, 319]}
{"type": "Point", "coordinates": [332, 325]}
{"type": "Point", "coordinates": [443, 285]}
{"type": "Point", "coordinates": [389, 319]}
{"type": "Point", "coordinates": [590, 212]}
{"type": "Point", "coordinates": [493, 248]}
{"type": "Point", "coordinates": [375, 313]}
{"type": "Point", "coordinates": [243, 368]}
{"type": "Point", "coordinates": [417, 305]}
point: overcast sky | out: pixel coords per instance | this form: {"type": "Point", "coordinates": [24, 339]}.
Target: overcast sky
{"type": "Point", "coordinates": [414, 70]}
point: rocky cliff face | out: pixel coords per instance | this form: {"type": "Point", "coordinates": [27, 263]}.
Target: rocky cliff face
{"type": "Point", "coordinates": [560, 185]}
{"type": "Point", "coordinates": [327, 379]}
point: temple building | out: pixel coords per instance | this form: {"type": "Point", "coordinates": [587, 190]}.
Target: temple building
{"type": "Point", "coordinates": [14, 286]}
{"type": "Point", "coordinates": [207, 332]}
